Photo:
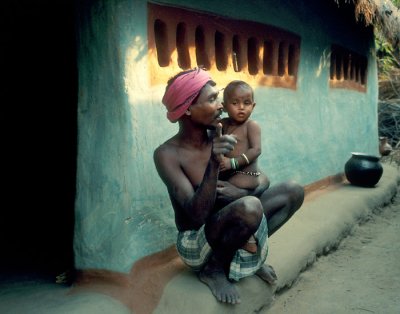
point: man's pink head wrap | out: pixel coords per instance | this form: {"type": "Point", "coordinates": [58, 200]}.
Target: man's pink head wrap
{"type": "Point", "coordinates": [180, 94]}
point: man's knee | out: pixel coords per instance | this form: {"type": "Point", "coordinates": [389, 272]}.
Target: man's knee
{"type": "Point", "coordinates": [294, 188]}
{"type": "Point", "coordinates": [250, 209]}
{"type": "Point", "coordinates": [295, 193]}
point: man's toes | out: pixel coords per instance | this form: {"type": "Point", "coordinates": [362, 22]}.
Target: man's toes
{"type": "Point", "coordinates": [229, 298]}
{"type": "Point", "coordinates": [272, 273]}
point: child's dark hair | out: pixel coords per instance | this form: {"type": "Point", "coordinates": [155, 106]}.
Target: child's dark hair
{"type": "Point", "coordinates": [232, 85]}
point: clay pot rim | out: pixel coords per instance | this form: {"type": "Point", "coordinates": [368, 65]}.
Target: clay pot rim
{"type": "Point", "coordinates": [365, 155]}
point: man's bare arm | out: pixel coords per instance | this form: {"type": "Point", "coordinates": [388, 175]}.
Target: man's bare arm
{"type": "Point", "coordinates": [198, 203]}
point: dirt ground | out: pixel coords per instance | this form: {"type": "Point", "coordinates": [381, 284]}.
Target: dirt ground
{"type": "Point", "coordinates": [361, 276]}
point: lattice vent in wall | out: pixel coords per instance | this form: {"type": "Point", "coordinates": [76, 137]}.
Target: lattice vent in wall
{"type": "Point", "coordinates": [180, 39]}
{"type": "Point", "coordinates": [348, 69]}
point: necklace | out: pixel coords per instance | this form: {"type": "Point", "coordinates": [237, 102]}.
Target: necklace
{"type": "Point", "coordinates": [249, 173]}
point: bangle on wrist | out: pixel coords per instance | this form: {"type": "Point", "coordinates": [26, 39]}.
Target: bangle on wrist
{"type": "Point", "coordinates": [245, 158]}
{"type": "Point", "coordinates": [234, 163]}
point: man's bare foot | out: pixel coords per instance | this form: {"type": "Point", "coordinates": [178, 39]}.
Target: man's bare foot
{"type": "Point", "coordinates": [251, 245]}
{"type": "Point", "coordinates": [220, 286]}
{"type": "Point", "coordinates": [267, 273]}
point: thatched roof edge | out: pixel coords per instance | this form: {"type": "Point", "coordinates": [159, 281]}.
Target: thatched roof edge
{"type": "Point", "coordinates": [382, 14]}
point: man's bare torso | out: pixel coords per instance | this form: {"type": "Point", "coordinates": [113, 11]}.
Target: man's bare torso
{"type": "Point", "coordinates": [191, 162]}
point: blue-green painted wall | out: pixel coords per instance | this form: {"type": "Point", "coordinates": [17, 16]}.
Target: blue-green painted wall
{"type": "Point", "coordinates": [122, 207]}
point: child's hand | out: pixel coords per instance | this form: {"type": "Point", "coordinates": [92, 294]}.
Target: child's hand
{"type": "Point", "coordinates": [224, 164]}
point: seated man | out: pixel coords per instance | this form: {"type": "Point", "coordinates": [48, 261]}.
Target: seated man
{"type": "Point", "coordinates": [214, 218]}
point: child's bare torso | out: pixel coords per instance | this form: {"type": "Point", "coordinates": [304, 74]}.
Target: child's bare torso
{"type": "Point", "coordinates": [245, 177]}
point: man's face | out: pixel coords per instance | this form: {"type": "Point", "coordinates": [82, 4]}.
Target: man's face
{"type": "Point", "coordinates": [208, 108]}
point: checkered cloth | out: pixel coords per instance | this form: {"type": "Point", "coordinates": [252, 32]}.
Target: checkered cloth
{"type": "Point", "coordinates": [195, 251]}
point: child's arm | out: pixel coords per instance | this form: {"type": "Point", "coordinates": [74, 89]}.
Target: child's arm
{"type": "Point", "coordinates": [252, 153]}
{"type": "Point", "coordinates": [254, 139]}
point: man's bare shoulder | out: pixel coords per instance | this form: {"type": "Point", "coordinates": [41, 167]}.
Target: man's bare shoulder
{"type": "Point", "coordinates": [168, 148]}
{"type": "Point", "coordinates": [166, 158]}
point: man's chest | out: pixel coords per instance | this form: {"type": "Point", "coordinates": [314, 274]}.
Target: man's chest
{"type": "Point", "coordinates": [194, 164]}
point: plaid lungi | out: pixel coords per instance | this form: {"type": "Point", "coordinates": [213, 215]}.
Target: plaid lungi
{"type": "Point", "coordinates": [195, 251]}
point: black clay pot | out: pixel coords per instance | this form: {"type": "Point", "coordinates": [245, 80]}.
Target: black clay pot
{"type": "Point", "coordinates": [363, 170]}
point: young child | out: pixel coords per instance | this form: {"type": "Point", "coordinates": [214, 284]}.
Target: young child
{"type": "Point", "coordinates": [240, 167]}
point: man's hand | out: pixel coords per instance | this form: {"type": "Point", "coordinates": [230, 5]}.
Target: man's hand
{"type": "Point", "coordinates": [223, 144]}
{"type": "Point", "coordinates": [228, 193]}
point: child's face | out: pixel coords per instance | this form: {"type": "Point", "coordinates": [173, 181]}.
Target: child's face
{"type": "Point", "coordinates": [239, 104]}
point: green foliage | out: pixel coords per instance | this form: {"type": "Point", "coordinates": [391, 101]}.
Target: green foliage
{"type": "Point", "coordinates": [396, 3]}
{"type": "Point", "coordinates": [388, 57]}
